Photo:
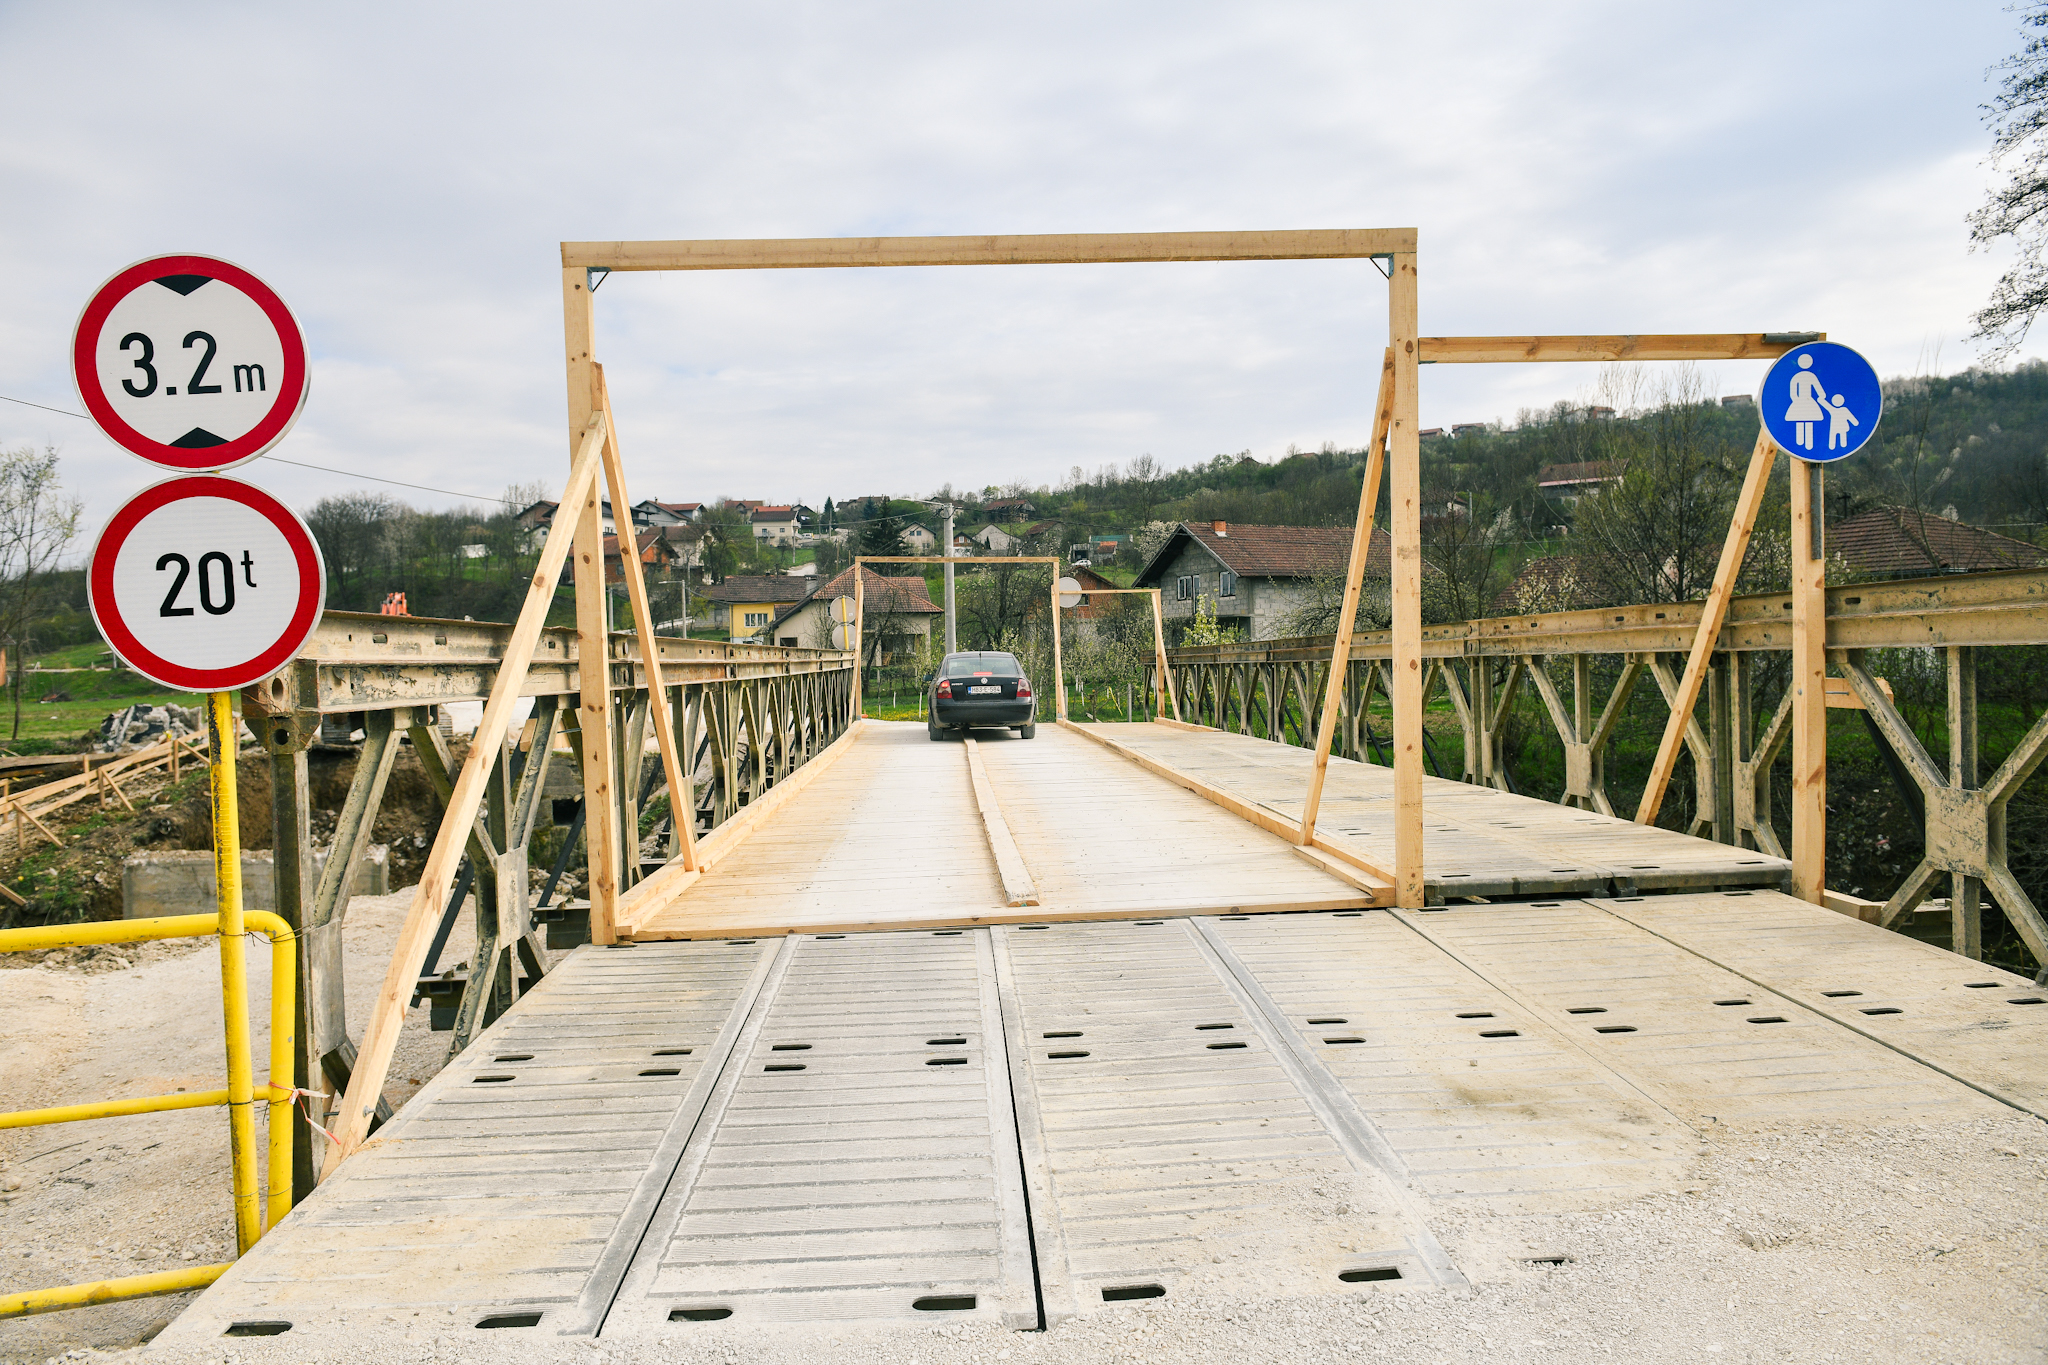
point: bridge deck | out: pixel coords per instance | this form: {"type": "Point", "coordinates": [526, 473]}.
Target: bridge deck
{"type": "Point", "coordinates": [1014, 1117]}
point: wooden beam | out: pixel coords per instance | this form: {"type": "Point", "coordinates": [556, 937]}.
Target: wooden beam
{"type": "Point", "coordinates": [682, 802]}
{"type": "Point", "coordinates": [1747, 504]}
{"type": "Point", "coordinates": [1354, 580]}
{"type": "Point", "coordinates": [1683, 346]}
{"type": "Point", "coordinates": [1018, 888]}
{"type": "Point", "coordinates": [962, 561]}
{"type": "Point", "coordinates": [1084, 248]}
{"type": "Point", "coordinates": [1159, 650]}
{"type": "Point", "coordinates": [593, 634]}
{"type": "Point", "coordinates": [1404, 458]}
{"type": "Point", "coordinates": [1809, 687]}
{"type": "Point", "coordinates": [1059, 676]}
{"type": "Point", "coordinates": [387, 1016]}
{"type": "Point", "coordinates": [1272, 823]}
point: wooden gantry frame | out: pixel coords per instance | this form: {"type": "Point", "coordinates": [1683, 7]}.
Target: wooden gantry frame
{"type": "Point", "coordinates": [594, 451]}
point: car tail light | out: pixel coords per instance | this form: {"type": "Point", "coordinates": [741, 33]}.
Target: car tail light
{"type": "Point", "coordinates": [946, 688]}
{"type": "Point", "coordinates": [1023, 690]}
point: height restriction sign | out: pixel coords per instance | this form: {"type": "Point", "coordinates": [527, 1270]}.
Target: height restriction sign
{"type": "Point", "coordinates": [205, 583]}
{"type": "Point", "coordinates": [190, 362]}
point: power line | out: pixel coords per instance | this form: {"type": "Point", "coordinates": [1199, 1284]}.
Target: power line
{"type": "Point", "coordinates": [422, 488]}
{"type": "Point", "coordinates": [345, 473]}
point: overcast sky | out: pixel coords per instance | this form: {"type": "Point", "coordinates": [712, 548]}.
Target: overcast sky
{"type": "Point", "coordinates": [403, 174]}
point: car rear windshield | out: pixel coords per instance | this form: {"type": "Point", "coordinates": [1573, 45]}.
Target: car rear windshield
{"type": "Point", "coordinates": [997, 665]}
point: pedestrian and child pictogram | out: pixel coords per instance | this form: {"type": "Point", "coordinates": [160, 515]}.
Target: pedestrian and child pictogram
{"type": "Point", "coordinates": [1821, 401]}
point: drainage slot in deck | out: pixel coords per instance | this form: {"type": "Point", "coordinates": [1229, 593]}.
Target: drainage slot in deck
{"type": "Point", "coordinates": [1332, 1019]}
{"type": "Point", "coordinates": [820, 936]}
{"type": "Point", "coordinates": [1477, 1014]}
{"type": "Point", "coordinates": [2026, 1000]}
{"type": "Point", "coordinates": [1224, 1047]}
{"type": "Point", "coordinates": [1061, 1056]}
{"type": "Point", "coordinates": [1588, 1009]}
{"type": "Point", "coordinates": [947, 933]}
{"type": "Point", "coordinates": [1064, 1033]}
{"type": "Point", "coordinates": [699, 1314]}
{"type": "Point", "coordinates": [1548, 1260]}
{"type": "Point", "coordinates": [1203, 1027]}
{"type": "Point", "coordinates": [662, 1071]}
{"type": "Point", "coordinates": [511, 1320]}
{"type": "Point", "coordinates": [1123, 1292]}
{"type": "Point", "coordinates": [945, 1042]}
{"type": "Point", "coordinates": [946, 1061]}
{"type": "Point", "coordinates": [257, 1329]}
{"type": "Point", "coordinates": [784, 1066]}
{"type": "Point", "coordinates": [790, 1047]}
{"type": "Point", "coordinates": [488, 1080]}
{"type": "Point", "coordinates": [1731, 1002]}
{"type": "Point", "coordinates": [1615, 1028]}
{"type": "Point", "coordinates": [1034, 926]}
{"type": "Point", "coordinates": [671, 1052]}
{"type": "Point", "coordinates": [1343, 1040]}
{"type": "Point", "coordinates": [740, 942]}
{"type": "Point", "coordinates": [1982, 985]}
{"type": "Point", "coordinates": [1883, 1009]}
{"type": "Point", "coordinates": [514, 1057]}
{"type": "Point", "coordinates": [1837, 995]}
{"type": "Point", "coordinates": [1767, 1019]}
{"type": "Point", "coordinates": [944, 1303]}
{"type": "Point", "coordinates": [1378, 1272]}
{"type": "Point", "coordinates": [1499, 1033]}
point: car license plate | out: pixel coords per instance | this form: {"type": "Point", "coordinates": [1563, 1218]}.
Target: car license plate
{"type": "Point", "coordinates": [984, 691]}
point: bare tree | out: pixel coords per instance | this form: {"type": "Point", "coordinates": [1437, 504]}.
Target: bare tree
{"type": "Point", "coordinates": [37, 520]}
{"type": "Point", "coordinates": [2018, 209]}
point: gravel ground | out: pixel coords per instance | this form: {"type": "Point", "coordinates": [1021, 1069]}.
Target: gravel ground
{"type": "Point", "coordinates": [1913, 1243]}
{"type": "Point", "coordinates": [149, 1192]}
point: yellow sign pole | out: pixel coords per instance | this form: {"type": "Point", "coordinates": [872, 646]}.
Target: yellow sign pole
{"type": "Point", "coordinates": [234, 965]}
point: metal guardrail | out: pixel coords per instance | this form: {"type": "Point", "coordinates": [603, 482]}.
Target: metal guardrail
{"type": "Point", "coordinates": [239, 1094]}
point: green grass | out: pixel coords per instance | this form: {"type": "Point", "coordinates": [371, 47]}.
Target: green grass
{"type": "Point", "coordinates": [55, 726]}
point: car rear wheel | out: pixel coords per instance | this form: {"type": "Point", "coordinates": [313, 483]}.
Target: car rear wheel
{"type": "Point", "coordinates": [934, 731]}
{"type": "Point", "coordinates": [1027, 731]}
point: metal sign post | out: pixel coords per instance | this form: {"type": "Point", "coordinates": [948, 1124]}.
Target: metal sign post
{"type": "Point", "coordinates": [204, 583]}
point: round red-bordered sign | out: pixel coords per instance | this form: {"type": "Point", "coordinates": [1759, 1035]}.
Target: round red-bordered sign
{"type": "Point", "coordinates": [206, 583]}
{"type": "Point", "coordinates": [190, 362]}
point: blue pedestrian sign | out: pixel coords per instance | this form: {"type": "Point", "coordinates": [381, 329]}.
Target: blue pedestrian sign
{"type": "Point", "coordinates": [1821, 401]}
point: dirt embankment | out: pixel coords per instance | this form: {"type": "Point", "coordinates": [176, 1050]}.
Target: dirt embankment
{"type": "Point", "coordinates": [81, 879]}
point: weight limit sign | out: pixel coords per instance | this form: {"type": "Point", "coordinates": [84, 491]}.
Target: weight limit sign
{"type": "Point", "coordinates": [206, 584]}
{"type": "Point", "coordinates": [190, 362]}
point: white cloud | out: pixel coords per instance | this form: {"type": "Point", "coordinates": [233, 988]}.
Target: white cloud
{"type": "Point", "coordinates": [402, 174]}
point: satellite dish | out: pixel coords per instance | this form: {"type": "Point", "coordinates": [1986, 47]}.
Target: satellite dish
{"type": "Point", "coordinates": [1070, 592]}
{"type": "Point", "coordinates": [842, 637]}
{"type": "Point", "coordinates": [842, 610]}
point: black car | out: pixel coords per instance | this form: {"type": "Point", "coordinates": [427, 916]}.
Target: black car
{"type": "Point", "coordinates": [987, 688]}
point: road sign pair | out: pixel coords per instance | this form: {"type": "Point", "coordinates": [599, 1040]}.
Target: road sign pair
{"type": "Point", "coordinates": [202, 582]}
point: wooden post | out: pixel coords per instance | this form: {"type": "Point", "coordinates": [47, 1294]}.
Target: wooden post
{"type": "Point", "coordinates": [1404, 458]}
{"type": "Point", "coordinates": [1059, 681]}
{"type": "Point", "coordinates": [1965, 904]}
{"type": "Point", "coordinates": [1166, 687]}
{"type": "Point", "coordinates": [860, 641]}
{"type": "Point", "coordinates": [680, 797]}
{"type": "Point", "coordinates": [1354, 578]}
{"type": "Point", "coordinates": [1809, 686]}
{"type": "Point", "coordinates": [593, 642]}
{"type": "Point", "coordinates": [1761, 457]}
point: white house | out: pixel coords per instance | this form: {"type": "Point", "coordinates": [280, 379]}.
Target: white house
{"type": "Point", "coordinates": [996, 540]}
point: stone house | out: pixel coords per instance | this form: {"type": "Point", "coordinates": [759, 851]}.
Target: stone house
{"type": "Point", "coordinates": [1252, 577]}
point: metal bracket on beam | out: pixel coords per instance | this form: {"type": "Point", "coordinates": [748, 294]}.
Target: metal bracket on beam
{"type": "Point", "coordinates": [1791, 338]}
{"type": "Point", "coordinates": [1383, 264]}
{"type": "Point", "coordinates": [594, 275]}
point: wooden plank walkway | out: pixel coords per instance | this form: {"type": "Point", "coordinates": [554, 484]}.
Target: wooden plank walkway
{"type": "Point", "coordinates": [1477, 841]}
{"type": "Point", "coordinates": [891, 836]}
